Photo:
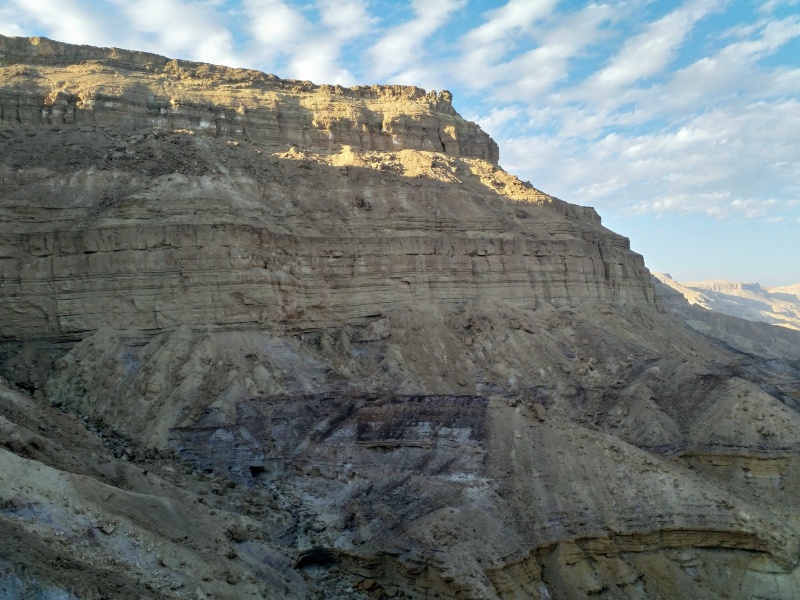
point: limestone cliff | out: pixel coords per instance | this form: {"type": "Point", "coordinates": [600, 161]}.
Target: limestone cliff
{"type": "Point", "coordinates": [744, 316]}
{"type": "Point", "coordinates": [138, 206]}
{"type": "Point", "coordinates": [263, 338]}
{"type": "Point", "coordinates": [49, 83]}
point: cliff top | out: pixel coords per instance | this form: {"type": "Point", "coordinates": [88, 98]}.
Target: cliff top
{"type": "Point", "coordinates": [53, 82]}
{"type": "Point", "coordinates": [42, 51]}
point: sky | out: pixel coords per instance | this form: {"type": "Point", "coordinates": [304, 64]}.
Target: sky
{"type": "Point", "coordinates": [679, 121]}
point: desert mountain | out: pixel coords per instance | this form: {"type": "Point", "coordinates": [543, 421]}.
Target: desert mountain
{"type": "Point", "coordinates": [261, 338]}
{"type": "Point", "coordinates": [776, 305]}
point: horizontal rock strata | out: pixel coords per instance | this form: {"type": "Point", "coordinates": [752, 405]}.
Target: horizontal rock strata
{"type": "Point", "coordinates": [156, 229]}
{"type": "Point", "coordinates": [139, 91]}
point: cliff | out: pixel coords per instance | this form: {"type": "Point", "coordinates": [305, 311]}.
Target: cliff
{"type": "Point", "coordinates": [139, 91]}
{"type": "Point", "coordinates": [262, 338]}
{"type": "Point", "coordinates": [146, 193]}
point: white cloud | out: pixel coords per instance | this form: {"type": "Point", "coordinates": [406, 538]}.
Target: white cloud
{"type": "Point", "coordinates": [276, 29]}
{"type": "Point", "coordinates": [345, 19]}
{"type": "Point", "coordinates": [318, 57]}
{"type": "Point", "coordinates": [200, 35]}
{"type": "Point", "coordinates": [401, 47]}
{"type": "Point", "coordinates": [534, 73]}
{"type": "Point", "coordinates": [648, 53]}
{"type": "Point", "coordinates": [772, 5]}
{"type": "Point", "coordinates": [720, 162]}
{"type": "Point", "coordinates": [773, 35]}
{"type": "Point", "coordinates": [8, 22]}
{"type": "Point", "coordinates": [717, 137]}
{"type": "Point", "coordinates": [752, 208]}
{"type": "Point", "coordinates": [318, 62]}
{"type": "Point", "coordinates": [285, 39]}
{"type": "Point", "coordinates": [497, 119]}
{"type": "Point", "coordinates": [69, 21]}
{"type": "Point", "coordinates": [730, 73]}
{"type": "Point", "coordinates": [510, 19]}
{"type": "Point", "coordinates": [492, 59]}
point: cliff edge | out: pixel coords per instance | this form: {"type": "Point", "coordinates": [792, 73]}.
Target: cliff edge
{"type": "Point", "coordinates": [146, 193]}
{"type": "Point", "coordinates": [53, 83]}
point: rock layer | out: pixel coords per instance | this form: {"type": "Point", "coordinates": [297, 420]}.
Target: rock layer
{"type": "Point", "coordinates": [138, 91]}
{"type": "Point", "coordinates": [779, 306]}
{"type": "Point", "coordinates": [146, 223]}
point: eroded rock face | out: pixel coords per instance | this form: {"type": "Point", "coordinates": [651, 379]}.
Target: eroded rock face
{"type": "Point", "coordinates": [118, 220]}
{"type": "Point", "coordinates": [138, 91]}
{"type": "Point", "coordinates": [242, 249]}
{"type": "Point", "coordinates": [754, 337]}
{"type": "Point", "coordinates": [270, 339]}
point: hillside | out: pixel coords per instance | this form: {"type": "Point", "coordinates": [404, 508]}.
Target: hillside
{"type": "Point", "coordinates": [262, 338]}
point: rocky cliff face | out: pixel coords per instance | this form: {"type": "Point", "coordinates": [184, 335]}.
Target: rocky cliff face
{"type": "Point", "coordinates": [138, 91]}
{"type": "Point", "coordinates": [746, 317]}
{"type": "Point", "coordinates": [263, 338]}
{"type": "Point", "coordinates": [323, 204]}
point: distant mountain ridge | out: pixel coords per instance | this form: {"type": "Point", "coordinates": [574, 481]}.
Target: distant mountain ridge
{"type": "Point", "coordinates": [751, 301]}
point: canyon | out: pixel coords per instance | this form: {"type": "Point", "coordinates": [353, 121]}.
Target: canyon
{"type": "Point", "coordinates": [261, 338]}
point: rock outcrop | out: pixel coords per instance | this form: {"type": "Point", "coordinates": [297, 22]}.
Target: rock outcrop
{"type": "Point", "coordinates": [139, 91]}
{"type": "Point", "coordinates": [262, 338]}
{"type": "Point", "coordinates": [148, 221]}
{"type": "Point", "coordinates": [744, 316]}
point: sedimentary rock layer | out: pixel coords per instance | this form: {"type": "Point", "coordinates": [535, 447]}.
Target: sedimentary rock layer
{"type": "Point", "coordinates": [116, 217]}
{"type": "Point", "coordinates": [140, 91]}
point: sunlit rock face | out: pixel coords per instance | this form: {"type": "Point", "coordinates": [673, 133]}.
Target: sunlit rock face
{"type": "Point", "coordinates": [128, 90]}
{"type": "Point", "coordinates": [132, 209]}
{"type": "Point", "coordinates": [263, 338]}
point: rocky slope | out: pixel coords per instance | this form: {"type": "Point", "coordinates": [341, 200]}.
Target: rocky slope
{"type": "Point", "coordinates": [262, 338]}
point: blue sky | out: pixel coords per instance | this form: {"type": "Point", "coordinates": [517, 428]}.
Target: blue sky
{"type": "Point", "coordinates": [678, 120]}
